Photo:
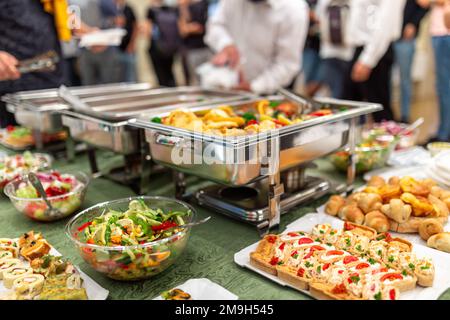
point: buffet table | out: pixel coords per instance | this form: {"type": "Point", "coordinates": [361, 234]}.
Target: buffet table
{"type": "Point", "coordinates": [210, 249]}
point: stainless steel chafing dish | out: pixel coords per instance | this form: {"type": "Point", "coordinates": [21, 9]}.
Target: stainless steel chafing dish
{"type": "Point", "coordinates": [103, 123]}
{"type": "Point", "coordinates": [255, 157]}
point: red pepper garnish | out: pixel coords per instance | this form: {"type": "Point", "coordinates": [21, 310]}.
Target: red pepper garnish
{"type": "Point", "coordinates": [326, 266]}
{"type": "Point", "coordinates": [350, 259]}
{"type": "Point", "coordinates": [392, 294]}
{"type": "Point", "coordinates": [281, 247]}
{"type": "Point", "coordinates": [381, 270]}
{"type": "Point", "coordinates": [271, 239]}
{"type": "Point", "coordinates": [10, 128]}
{"type": "Point", "coordinates": [301, 272]}
{"type": "Point", "coordinates": [164, 226]}
{"type": "Point", "coordinates": [335, 253]}
{"type": "Point", "coordinates": [84, 226]}
{"type": "Point", "coordinates": [391, 276]}
{"type": "Point", "coordinates": [340, 271]}
{"type": "Point", "coordinates": [294, 253]}
{"type": "Point", "coordinates": [293, 234]}
{"type": "Point", "coordinates": [348, 226]}
{"type": "Point", "coordinates": [305, 241]}
{"type": "Point", "coordinates": [339, 289]}
{"type": "Point", "coordinates": [362, 265]}
{"type": "Point", "coordinates": [274, 261]}
{"type": "Point", "coordinates": [90, 241]}
{"type": "Point", "coordinates": [252, 122]}
{"type": "Point", "coordinates": [388, 237]}
{"type": "Point", "coordinates": [312, 250]}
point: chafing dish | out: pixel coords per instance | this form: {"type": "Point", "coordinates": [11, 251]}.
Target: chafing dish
{"type": "Point", "coordinates": [243, 160]}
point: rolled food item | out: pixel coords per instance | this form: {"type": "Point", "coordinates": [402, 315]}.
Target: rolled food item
{"type": "Point", "coordinates": [430, 227]}
{"type": "Point", "coordinates": [12, 274]}
{"type": "Point", "coordinates": [377, 221]}
{"type": "Point", "coordinates": [28, 285]}
{"type": "Point", "coordinates": [369, 202]}
{"type": "Point", "coordinates": [440, 241]}
{"type": "Point", "coordinates": [351, 213]}
{"type": "Point", "coordinates": [6, 255]}
{"type": "Point", "coordinates": [397, 210]}
{"type": "Point", "coordinates": [9, 264]}
{"type": "Point", "coordinates": [7, 244]}
{"type": "Point", "coordinates": [334, 205]}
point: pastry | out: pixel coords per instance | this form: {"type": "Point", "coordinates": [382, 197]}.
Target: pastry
{"type": "Point", "coordinates": [351, 213]}
{"type": "Point", "coordinates": [440, 208]}
{"type": "Point", "coordinates": [440, 241]}
{"type": "Point", "coordinates": [369, 202]}
{"type": "Point", "coordinates": [424, 271]}
{"type": "Point", "coordinates": [421, 207]}
{"type": "Point", "coordinates": [394, 181]}
{"type": "Point", "coordinates": [28, 286]}
{"type": "Point", "coordinates": [378, 221]}
{"type": "Point", "coordinates": [397, 210]}
{"type": "Point", "coordinates": [417, 188]}
{"type": "Point", "coordinates": [360, 230]}
{"type": "Point", "coordinates": [376, 181]}
{"type": "Point", "coordinates": [334, 205]}
{"type": "Point", "coordinates": [12, 274]}
{"type": "Point", "coordinates": [430, 227]}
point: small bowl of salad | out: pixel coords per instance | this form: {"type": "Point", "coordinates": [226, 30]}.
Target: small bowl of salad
{"type": "Point", "coordinates": [371, 154]}
{"type": "Point", "coordinates": [14, 166]}
{"type": "Point", "coordinates": [388, 131]}
{"type": "Point", "coordinates": [66, 193]}
{"type": "Point", "coordinates": [132, 239]}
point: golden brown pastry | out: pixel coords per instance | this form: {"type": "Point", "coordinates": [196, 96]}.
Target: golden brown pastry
{"type": "Point", "coordinates": [440, 208]}
{"type": "Point", "coordinates": [369, 202]}
{"type": "Point", "coordinates": [378, 221]}
{"type": "Point", "coordinates": [440, 241]}
{"type": "Point", "coordinates": [334, 205]}
{"type": "Point", "coordinates": [376, 181]}
{"type": "Point", "coordinates": [394, 181]}
{"type": "Point", "coordinates": [351, 213]}
{"type": "Point", "coordinates": [430, 227]}
{"type": "Point", "coordinates": [389, 192]}
{"type": "Point", "coordinates": [421, 206]}
{"type": "Point", "coordinates": [397, 210]}
{"type": "Point", "coordinates": [353, 198]}
{"type": "Point", "coordinates": [417, 188]}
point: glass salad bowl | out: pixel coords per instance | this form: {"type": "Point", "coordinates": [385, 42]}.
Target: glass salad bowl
{"type": "Point", "coordinates": [65, 197]}
{"type": "Point", "coordinates": [132, 239]}
{"type": "Point", "coordinates": [13, 166]}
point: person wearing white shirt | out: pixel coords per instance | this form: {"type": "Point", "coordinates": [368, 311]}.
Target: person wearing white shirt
{"type": "Point", "coordinates": [373, 26]}
{"type": "Point", "coordinates": [263, 39]}
{"type": "Point", "coordinates": [335, 52]}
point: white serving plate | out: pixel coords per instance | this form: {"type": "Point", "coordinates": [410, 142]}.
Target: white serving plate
{"type": "Point", "coordinates": [307, 222]}
{"type": "Point", "coordinates": [93, 289]}
{"type": "Point", "coordinates": [204, 289]}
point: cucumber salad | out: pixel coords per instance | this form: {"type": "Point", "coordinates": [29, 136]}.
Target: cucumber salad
{"type": "Point", "coordinates": [131, 238]}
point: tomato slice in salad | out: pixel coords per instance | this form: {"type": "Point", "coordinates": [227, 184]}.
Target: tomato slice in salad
{"type": "Point", "coordinates": [391, 277]}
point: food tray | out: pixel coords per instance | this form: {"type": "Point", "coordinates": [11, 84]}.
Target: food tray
{"type": "Point", "coordinates": [306, 223]}
{"type": "Point", "coordinates": [3, 135]}
{"type": "Point", "coordinates": [204, 289]}
{"type": "Point", "coordinates": [93, 289]}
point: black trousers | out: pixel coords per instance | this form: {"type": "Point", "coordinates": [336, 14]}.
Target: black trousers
{"type": "Point", "coordinates": [376, 89]}
{"type": "Point", "coordinates": [162, 64]}
{"type": "Point", "coordinates": [6, 118]}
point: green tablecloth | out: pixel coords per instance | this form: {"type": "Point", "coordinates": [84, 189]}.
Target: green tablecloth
{"type": "Point", "coordinates": [209, 254]}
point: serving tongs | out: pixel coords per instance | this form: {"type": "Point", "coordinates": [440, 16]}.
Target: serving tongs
{"type": "Point", "coordinates": [308, 105]}
{"type": "Point", "coordinates": [42, 63]}
{"type": "Point", "coordinates": [76, 103]}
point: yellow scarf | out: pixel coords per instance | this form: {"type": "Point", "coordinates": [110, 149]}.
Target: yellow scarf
{"type": "Point", "coordinates": [58, 8]}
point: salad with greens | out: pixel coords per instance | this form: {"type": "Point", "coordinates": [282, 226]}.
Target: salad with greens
{"type": "Point", "coordinates": [138, 225]}
{"type": "Point", "coordinates": [131, 238]}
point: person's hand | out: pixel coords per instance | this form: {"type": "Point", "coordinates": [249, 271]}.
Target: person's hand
{"type": "Point", "coordinates": [229, 55]}
{"type": "Point", "coordinates": [243, 85]}
{"type": "Point", "coordinates": [361, 72]}
{"type": "Point", "coordinates": [410, 31]}
{"type": "Point", "coordinates": [8, 67]}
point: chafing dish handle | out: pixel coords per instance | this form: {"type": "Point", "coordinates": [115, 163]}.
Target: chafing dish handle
{"type": "Point", "coordinates": [351, 170]}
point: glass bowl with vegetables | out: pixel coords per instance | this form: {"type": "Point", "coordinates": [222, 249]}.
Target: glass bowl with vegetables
{"type": "Point", "coordinates": [66, 193]}
{"type": "Point", "coordinates": [389, 131]}
{"type": "Point", "coordinates": [371, 154]}
{"type": "Point", "coordinates": [12, 167]}
{"type": "Point", "coordinates": [132, 239]}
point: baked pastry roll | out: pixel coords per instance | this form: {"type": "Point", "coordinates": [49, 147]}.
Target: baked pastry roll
{"type": "Point", "coordinates": [376, 181]}
{"type": "Point", "coordinates": [429, 227]}
{"type": "Point", "coordinates": [368, 202]}
{"type": "Point", "coordinates": [440, 208]}
{"type": "Point", "coordinates": [377, 221]}
{"type": "Point", "coordinates": [7, 244]}
{"type": "Point", "coordinates": [351, 213]}
{"type": "Point", "coordinates": [440, 241]}
{"type": "Point", "coordinates": [334, 205]}
{"type": "Point", "coordinates": [397, 210]}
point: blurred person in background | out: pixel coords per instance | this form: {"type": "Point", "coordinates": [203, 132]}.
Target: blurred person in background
{"type": "Point", "coordinates": [373, 26]}
{"type": "Point", "coordinates": [126, 19]}
{"type": "Point", "coordinates": [440, 37]}
{"type": "Point", "coordinates": [29, 28]}
{"type": "Point", "coordinates": [335, 52]}
{"type": "Point", "coordinates": [98, 64]}
{"type": "Point", "coordinates": [162, 18]}
{"type": "Point", "coordinates": [404, 50]}
{"type": "Point", "coordinates": [193, 15]}
{"type": "Point", "coordinates": [263, 39]}
{"type": "Point", "coordinates": [311, 55]}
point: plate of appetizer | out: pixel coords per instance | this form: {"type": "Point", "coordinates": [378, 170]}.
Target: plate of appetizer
{"type": "Point", "coordinates": [20, 138]}
{"type": "Point", "coordinates": [346, 261]}
{"type": "Point", "coordinates": [197, 289]}
{"type": "Point", "coordinates": [31, 269]}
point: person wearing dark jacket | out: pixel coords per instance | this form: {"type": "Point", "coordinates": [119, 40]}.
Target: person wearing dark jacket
{"type": "Point", "coordinates": [404, 50]}
{"type": "Point", "coordinates": [27, 30]}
